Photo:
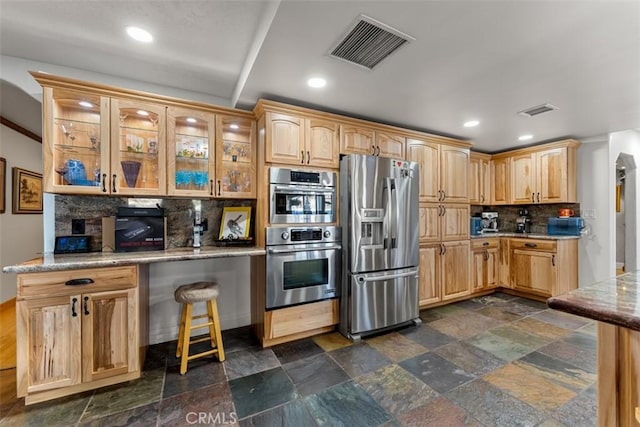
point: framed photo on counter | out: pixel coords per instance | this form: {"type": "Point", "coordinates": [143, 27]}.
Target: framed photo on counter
{"type": "Point", "coordinates": [27, 192]}
{"type": "Point", "coordinates": [235, 223]}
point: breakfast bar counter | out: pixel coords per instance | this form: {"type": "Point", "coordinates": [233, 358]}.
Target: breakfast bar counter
{"type": "Point", "coordinates": [50, 262]}
{"type": "Point", "coordinates": [615, 304]}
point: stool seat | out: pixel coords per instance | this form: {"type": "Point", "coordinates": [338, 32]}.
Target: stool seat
{"type": "Point", "coordinates": [196, 292]}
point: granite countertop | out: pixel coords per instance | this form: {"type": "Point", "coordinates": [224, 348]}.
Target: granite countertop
{"type": "Point", "coordinates": [615, 301]}
{"type": "Point", "coordinates": [524, 236]}
{"type": "Point", "coordinates": [50, 262]}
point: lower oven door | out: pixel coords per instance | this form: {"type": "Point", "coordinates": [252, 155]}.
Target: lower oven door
{"type": "Point", "coordinates": [302, 273]}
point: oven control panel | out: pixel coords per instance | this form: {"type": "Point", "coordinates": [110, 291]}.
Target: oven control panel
{"type": "Point", "coordinates": [297, 235]}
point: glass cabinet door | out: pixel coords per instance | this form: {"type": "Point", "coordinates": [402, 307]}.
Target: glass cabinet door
{"type": "Point", "coordinates": [76, 142]}
{"type": "Point", "coordinates": [235, 158]}
{"type": "Point", "coordinates": [190, 165]}
{"type": "Point", "coordinates": [138, 148]}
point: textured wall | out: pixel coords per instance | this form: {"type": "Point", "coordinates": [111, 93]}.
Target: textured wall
{"type": "Point", "coordinates": [179, 213]}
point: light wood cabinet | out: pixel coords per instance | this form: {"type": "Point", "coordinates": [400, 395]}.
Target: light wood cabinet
{"type": "Point", "coordinates": [443, 222]}
{"type": "Point", "coordinates": [235, 157]}
{"type": "Point", "coordinates": [76, 330]}
{"type": "Point", "coordinates": [190, 152]}
{"type": "Point", "coordinates": [543, 267]}
{"type": "Point", "coordinates": [444, 272]}
{"type": "Point", "coordinates": [484, 264]}
{"type": "Point", "coordinates": [444, 170]}
{"type": "Point", "coordinates": [429, 279]}
{"type": "Point", "coordinates": [500, 181]}
{"type": "Point", "coordinates": [479, 179]}
{"type": "Point", "coordinates": [544, 176]}
{"type": "Point", "coordinates": [361, 140]}
{"type": "Point", "coordinates": [296, 140]}
{"type": "Point", "coordinates": [503, 264]}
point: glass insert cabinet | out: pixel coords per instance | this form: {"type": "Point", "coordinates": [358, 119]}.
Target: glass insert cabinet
{"type": "Point", "coordinates": [97, 143]}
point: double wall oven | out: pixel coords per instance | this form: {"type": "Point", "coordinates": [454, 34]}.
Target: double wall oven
{"type": "Point", "coordinates": [303, 245]}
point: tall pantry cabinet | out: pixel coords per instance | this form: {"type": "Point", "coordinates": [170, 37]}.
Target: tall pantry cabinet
{"type": "Point", "coordinates": [444, 217]}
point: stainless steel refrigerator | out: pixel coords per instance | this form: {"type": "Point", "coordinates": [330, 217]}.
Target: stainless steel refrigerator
{"type": "Point", "coordinates": [379, 219]}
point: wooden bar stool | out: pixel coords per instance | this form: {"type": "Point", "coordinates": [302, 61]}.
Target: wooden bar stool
{"type": "Point", "coordinates": [187, 295]}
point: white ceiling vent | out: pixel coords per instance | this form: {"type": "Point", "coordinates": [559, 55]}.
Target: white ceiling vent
{"type": "Point", "coordinates": [369, 42]}
{"type": "Point", "coordinates": [534, 111]}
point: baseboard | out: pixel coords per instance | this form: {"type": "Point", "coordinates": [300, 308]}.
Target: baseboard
{"type": "Point", "coordinates": [8, 334]}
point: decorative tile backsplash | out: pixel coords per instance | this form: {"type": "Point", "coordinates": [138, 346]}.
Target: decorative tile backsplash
{"type": "Point", "coordinates": [179, 213]}
{"type": "Point", "coordinates": [539, 214]}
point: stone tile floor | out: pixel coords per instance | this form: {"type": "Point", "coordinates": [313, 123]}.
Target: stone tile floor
{"type": "Point", "coordinates": [497, 360]}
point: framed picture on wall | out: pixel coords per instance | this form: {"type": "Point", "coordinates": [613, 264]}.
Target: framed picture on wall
{"type": "Point", "coordinates": [27, 192]}
{"type": "Point", "coordinates": [3, 173]}
{"type": "Point", "coordinates": [235, 223]}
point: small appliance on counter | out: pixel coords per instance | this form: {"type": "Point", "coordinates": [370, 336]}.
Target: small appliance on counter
{"type": "Point", "coordinates": [523, 222]}
{"type": "Point", "coordinates": [489, 222]}
{"type": "Point", "coordinates": [571, 226]}
{"type": "Point", "coordinates": [475, 226]}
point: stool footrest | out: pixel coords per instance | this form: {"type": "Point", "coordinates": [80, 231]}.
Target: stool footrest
{"type": "Point", "coordinates": [204, 353]}
{"type": "Point", "coordinates": [203, 325]}
{"type": "Point", "coordinates": [200, 316]}
{"type": "Point", "coordinates": [199, 340]}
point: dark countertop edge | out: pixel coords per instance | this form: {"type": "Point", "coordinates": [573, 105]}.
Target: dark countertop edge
{"type": "Point", "coordinates": [523, 236]}
{"type": "Point", "coordinates": [128, 258]}
{"type": "Point", "coordinates": [600, 314]}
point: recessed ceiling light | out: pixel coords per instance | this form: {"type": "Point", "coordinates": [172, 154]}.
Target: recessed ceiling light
{"type": "Point", "coordinates": [191, 120]}
{"type": "Point", "coordinates": [525, 137]}
{"type": "Point", "coordinates": [471, 123]}
{"type": "Point", "coordinates": [139, 34]}
{"type": "Point", "coordinates": [142, 113]}
{"type": "Point", "coordinates": [316, 82]}
{"type": "Point", "coordinates": [234, 126]}
{"type": "Point", "coordinates": [85, 104]}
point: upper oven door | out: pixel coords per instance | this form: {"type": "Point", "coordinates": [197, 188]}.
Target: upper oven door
{"type": "Point", "coordinates": [302, 273]}
{"type": "Point", "coordinates": [296, 204]}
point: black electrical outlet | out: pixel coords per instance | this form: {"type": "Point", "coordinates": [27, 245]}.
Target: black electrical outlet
{"type": "Point", "coordinates": [77, 226]}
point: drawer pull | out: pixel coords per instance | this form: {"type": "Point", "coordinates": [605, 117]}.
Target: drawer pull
{"type": "Point", "coordinates": [485, 244]}
{"type": "Point", "coordinates": [77, 282]}
{"type": "Point", "coordinates": [86, 306]}
{"type": "Point", "coordinates": [531, 245]}
{"type": "Point", "coordinates": [73, 307]}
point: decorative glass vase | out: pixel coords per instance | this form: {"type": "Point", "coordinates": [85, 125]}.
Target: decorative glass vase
{"type": "Point", "coordinates": [131, 169]}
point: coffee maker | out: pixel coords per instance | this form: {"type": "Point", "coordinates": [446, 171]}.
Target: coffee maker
{"type": "Point", "coordinates": [523, 222]}
{"type": "Point", "coordinates": [489, 222]}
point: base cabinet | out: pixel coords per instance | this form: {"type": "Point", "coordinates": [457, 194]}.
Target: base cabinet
{"type": "Point", "coordinates": [484, 264]}
{"type": "Point", "coordinates": [76, 330]}
{"type": "Point", "coordinates": [444, 272]}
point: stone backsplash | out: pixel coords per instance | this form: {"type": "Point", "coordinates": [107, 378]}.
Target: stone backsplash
{"type": "Point", "coordinates": [539, 214]}
{"type": "Point", "coordinates": [179, 213]}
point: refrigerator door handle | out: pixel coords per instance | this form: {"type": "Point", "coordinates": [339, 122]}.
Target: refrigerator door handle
{"type": "Point", "coordinates": [395, 211]}
{"type": "Point", "coordinates": [364, 279]}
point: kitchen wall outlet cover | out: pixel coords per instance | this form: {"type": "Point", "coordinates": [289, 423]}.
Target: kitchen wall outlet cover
{"type": "Point", "coordinates": [589, 214]}
{"type": "Point", "coordinates": [77, 226]}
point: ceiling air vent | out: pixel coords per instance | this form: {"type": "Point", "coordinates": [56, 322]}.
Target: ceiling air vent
{"type": "Point", "coordinates": [534, 111]}
{"type": "Point", "coordinates": [369, 42]}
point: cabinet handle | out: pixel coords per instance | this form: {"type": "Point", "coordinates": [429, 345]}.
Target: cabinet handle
{"type": "Point", "coordinates": [377, 150]}
{"type": "Point", "coordinates": [113, 183]}
{"type": "Point", "coordinates": [553, 260]}
{"type": "Point", "coordinates": [308, 156]}
{"type": "Point", "coordinates": [211, 187]}
{"type": "Point", "coordinates": [444, 249]}
{"type": "Point", "coordinates": [218, 187]}
{"type": "Point", "coordinates": [86, 306]}
{"type": "Point", "coordinates": [482, 198]}
{"type": "Point", "coordinates": [441, 249]}
{"type": "Point", "coordinates": [104, 182]}
{"type": "Point", "coordinates": [486, 255]}
{"type": "Point", "coordinates": [444, 210]}
{"type": "Point", "coordinates": [533, 195]}
{"type": "Point", "coordinates": [77, 282]}
{"type": "Point", "coordinates": [531, 245]}
{"type": "Point", "coordinates": [538, 197]}
{"type": "Point", "coordinates": [444, 195]}
{"type": "Point", "coordinates": [373, 150]}
{"type": "Point", "coordinates": [73, 307]}
{"type": "Point", "coordinates": [485, 244]}
{"type": "Point", "coordinates": [302, 154]}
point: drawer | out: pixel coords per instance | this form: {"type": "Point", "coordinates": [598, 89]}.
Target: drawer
{"type": "Point", "coordinates": [533, 244]}
{"type": "Point", "coordinates": [488, 243]}
{"type": "Point", "coordinates": [69, 282]}
{"type": "Point", "coordinates": [301, 318]}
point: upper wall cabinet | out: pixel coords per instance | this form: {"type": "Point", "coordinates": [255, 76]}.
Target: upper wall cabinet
{"type": "Point", "coordinates": [546, 174]}
{"type": "Point", "coordinates": [479, 179]}
{"type": "Point", "coordinates": [75, 142]}
{"type": "Point", "coordinates": [361, 140]}
{"type": "Point", "coordinates": [500, 181]}
{"type": "Point", "coordinates": [444, 170]}
{"type": "Point", "coordinates": [138, 148]}
{"type": "Point", "coordinates": [235, 157]}
{"type": "Point", "coordinates": [296, 140]}
{"type": "Point", "coordinates": [191, 152]}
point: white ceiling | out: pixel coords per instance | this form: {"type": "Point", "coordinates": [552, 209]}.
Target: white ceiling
{"type": "Point", "coordinates": [482, 60]}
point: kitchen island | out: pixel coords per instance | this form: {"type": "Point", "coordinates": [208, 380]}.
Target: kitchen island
{"type": "Point", "coordinates": [615, 303]}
